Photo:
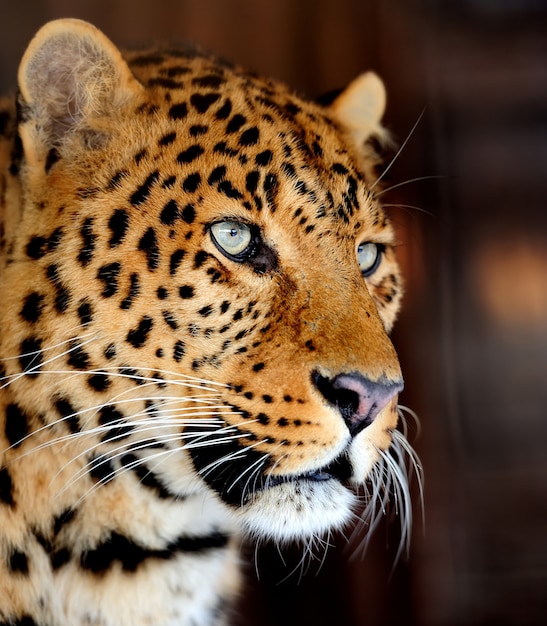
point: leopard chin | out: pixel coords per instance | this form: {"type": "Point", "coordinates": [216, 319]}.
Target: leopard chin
{"type": "Point", "coordinates": [299, 509]}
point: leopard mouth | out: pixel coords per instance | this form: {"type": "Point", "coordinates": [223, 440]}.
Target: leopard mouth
{"type": "Point", "coordinates": [339, 469]}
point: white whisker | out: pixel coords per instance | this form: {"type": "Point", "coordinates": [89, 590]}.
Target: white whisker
{"type": "Point", "coordinates": [399, 151]}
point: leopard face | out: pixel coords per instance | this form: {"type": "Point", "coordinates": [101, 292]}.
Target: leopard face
{"type": "Point", "coordinates": [199, 284]}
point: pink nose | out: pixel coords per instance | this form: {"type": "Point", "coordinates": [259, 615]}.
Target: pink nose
{"type": "Point", "coordinates": [358, 399]}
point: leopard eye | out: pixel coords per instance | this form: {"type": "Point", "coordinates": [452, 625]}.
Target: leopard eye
{"type": "Point", "coordinates": [231, 238]}
{"type": "Point", "coordinates": [369, 256]}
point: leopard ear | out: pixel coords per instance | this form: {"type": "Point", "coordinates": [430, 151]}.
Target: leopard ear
{"type": "Point", "coordinates": [70, 76]}
{"type": "Point", "coordinates": [360, 107]}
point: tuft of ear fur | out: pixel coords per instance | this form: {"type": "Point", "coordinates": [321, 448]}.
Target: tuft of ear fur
{"type": "Point", "coordinates": [70, 76]}
{"type": "Point", "coordinates": [360, 107]}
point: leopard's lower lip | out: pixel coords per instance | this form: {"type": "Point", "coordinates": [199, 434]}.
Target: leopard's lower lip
{"type": "Point", "coordinates": [339, 469]}
{"type": "Point", "coordinates": [317, 476]}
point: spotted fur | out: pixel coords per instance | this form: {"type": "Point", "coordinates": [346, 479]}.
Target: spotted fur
{"type": "Point", "coordinates": [163, 391]}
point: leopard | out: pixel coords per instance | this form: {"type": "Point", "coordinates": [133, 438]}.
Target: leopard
{"type": "Point", "coordinates": [198, 285]}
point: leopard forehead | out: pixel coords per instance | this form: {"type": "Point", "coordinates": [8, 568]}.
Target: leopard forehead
{"type": "Point", "coordinates": [220, 139]}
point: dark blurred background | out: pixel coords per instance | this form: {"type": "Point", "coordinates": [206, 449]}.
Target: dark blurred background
{"type": "Point", "coordinates": [469, 200]}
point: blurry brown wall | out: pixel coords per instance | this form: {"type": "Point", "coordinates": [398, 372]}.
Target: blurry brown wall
{"type": "Point", "coordinates": [473, 336]}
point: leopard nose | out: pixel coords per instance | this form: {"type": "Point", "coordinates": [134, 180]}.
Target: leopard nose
{"type": "Point", "coordinates": [358, 399]}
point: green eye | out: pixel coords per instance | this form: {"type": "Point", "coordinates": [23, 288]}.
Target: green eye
{"type": "Point", "coordinates": [369, 256]}
{"type": "Point", "coordinates": [231, 238]}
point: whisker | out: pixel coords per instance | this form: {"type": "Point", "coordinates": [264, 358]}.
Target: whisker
{"type": "Point", "coordinates": [38, 367]}
{"type": "Point", "coordinates": [416, 179]}
{"type": "Point", "coordinates": [398, 205]}
{"type": "Point", "coordinates": [397, 154]}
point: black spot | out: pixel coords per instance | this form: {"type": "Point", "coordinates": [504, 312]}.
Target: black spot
{"type": "Point", "coordinates": [169, 213]}
{"type": "Point", "coordinates": [85, 313]}
{"type": "Point", "coordinates": [263, 419]}
{"type": "Point", "coordinates": [198, 129]}
{"type": "Point", "coordinates": [226, 187]}
{"type": "Point", "coordinates": [118, 224]}
{"type": "Point", "coordinates": [217, 175]}
{"type": "Point", "coordinates": [25, 620]}
{"type": "Point", "coordinates": [222, 148]}
{"type": "Point", "coordinates": [120, 549]}
{"type": "Point", "coordinates": [170, 319]}
{"type": "Point", "coordinates": [101, 469]}
{"type": "Point", "coordinates": [62, 520]}
{"type": "Point", "coordinates": [147, 59]}
{"type": "Point", "coordinates": [267, 398]}
{"type": "Point", "coordinates": [175, 70]}
{"type": "Point", "coordinates": [200, 258]}
{"type": "Point", "coordinates": [282, 421]}
{"type": "Point", "coordinates": [186, 292]}
{"type": "Point", "coordinates": [30, 355]}
{"type": "Point", "coordinates": [338, 168]}
{"type": "Point", "coordinates": [175, 260]}
{"type": "Point", "coordinates": [115, 180]}
{"type": "Point", "coordinates": [188, 213]}
{"type": "Point", "coordinates": [140, 156]}
{"type": "Point", "coordinates": [271, 187]}
{"type": "Point", "coordinates": [224, 111]}
{"type": "Point", "coordinates": [310, 345]}
{"type": "Point", "coordinates": [110, 351]}
{"type": "Point", "coordinates": [149, 245]}
{"type": "Point", "coordinates": [78, 358]}
{"type": "Point", "coordinates": [142, 192]}
{"type": "Point", "coordinates": [191, 183]}
{"type": "Point", "coordinates": [209, 80]}
{"type": "Point", "coordinates": [98, 382]}
{"type": "Point", "coordinates": [109, 274]}
{"type": "Point", "coordinates": [235, 123]}
{"type": "Point", "coordinates": [264, 158]}
{"type": "Point", "coordinates": [16, 425]}
{"type": "Point", "coordinates": [202, 102]}
{"type": "Point", "coordinates": [190, 154]}
{"type": "Point", "coordinates": [134, 290]}
{"type": "Point", "coordinates": [52, 158]}
{"type": "Point", "coordinates": [36, 247]}
{"type": "Point", "coordinates": [288, 168]}
{"type": "Point", "coordinates": [115, 424]}
{"type": "Point", "coordinates": [59, 558]}
{"type": "Point", "coordinates": [251, 181]}
{"type": "Point", "coordinates": [138, 336]}
{"type": "Point", "coordinates": [62, 294]}
{"type": "Point", "coordinates": [68, 413]}
{"type": "Point", "coordinates": [224, 306]}
{"type": "Point", "coordinates": [258, 366]}
{"type": "Point", "coordinates": [178, 111]}
{"type": "Point", "coordinates": [145, 476]}
{"type": "Point", "coordinates": [167, 139]}
{"type": "Point", "coordinates": [179, 350]}
{"type": "Point", "coordinates": [169, 182]}
{"type": "Point", "coordinates": [32, 307]}
{"type": "Point", "coordinates": [249, 137]}
{"type": "Point", "coordinates": [162, 293]}
{"type": "Point", "coordinates": [6, 487]}
{"type": "Point", "coordinates": [18, 562]}
{"type": "Point", "coordinates": [206, 311]}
